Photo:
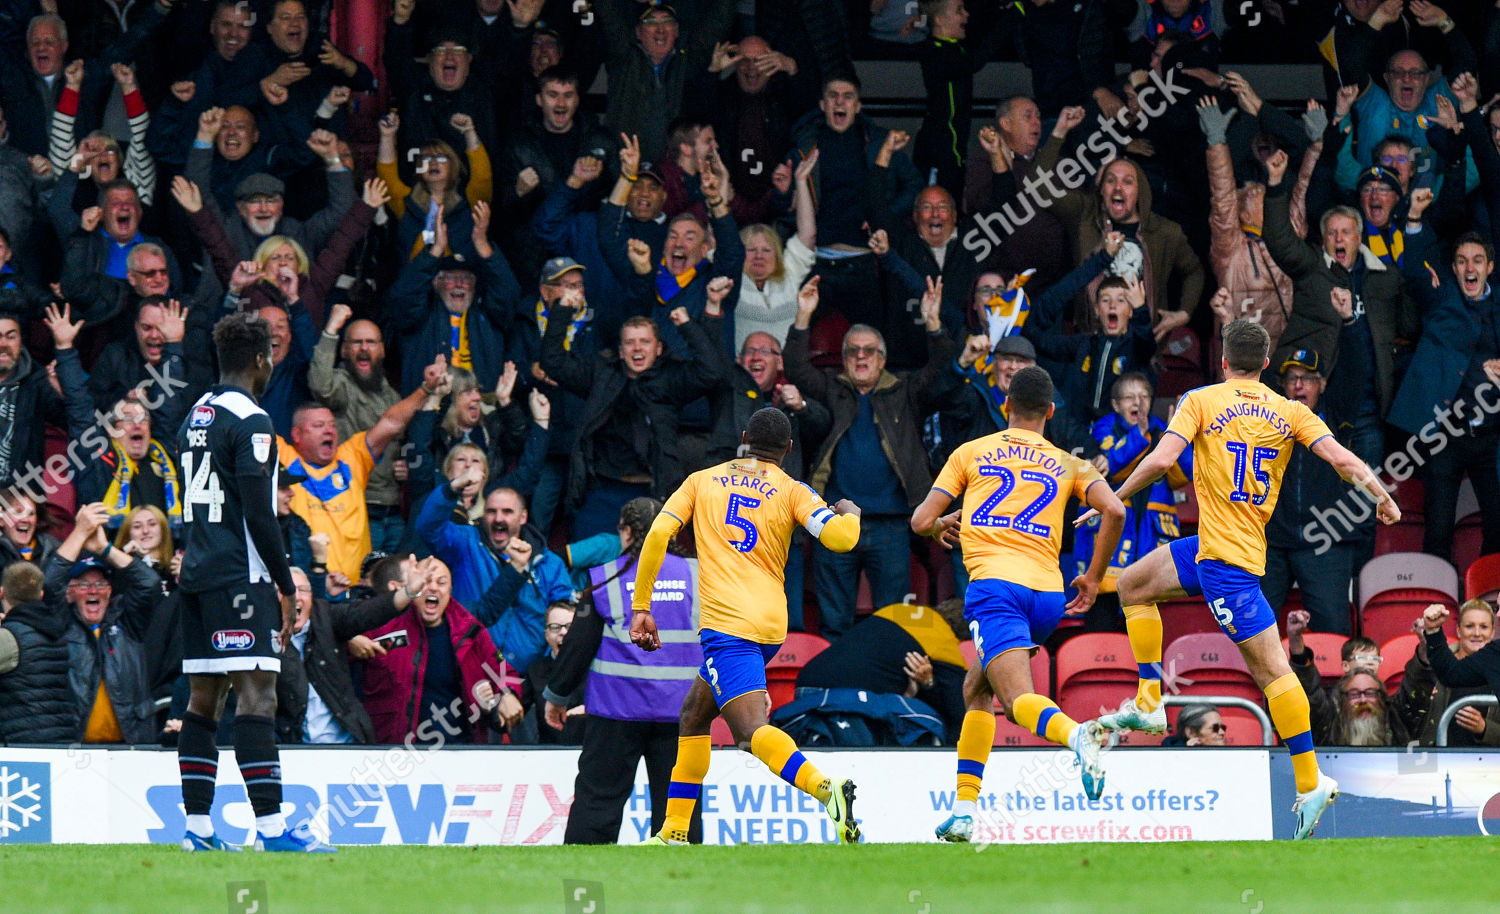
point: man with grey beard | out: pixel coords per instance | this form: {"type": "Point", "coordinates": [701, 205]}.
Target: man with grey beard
{"type": "Point", "coordinates": [1361, 715]}
{"type": "Point", "coordinates": [357, 393]}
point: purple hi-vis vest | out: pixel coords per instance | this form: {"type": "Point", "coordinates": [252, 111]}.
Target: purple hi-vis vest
{"type": "Point", "coordinates": [625, 682]}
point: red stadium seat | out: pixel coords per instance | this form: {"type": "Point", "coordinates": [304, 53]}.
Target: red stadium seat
{"type": "Point", "coordinates": [1468, 541]}
{"type": "Point", "coordinates": [1095, 672]}
{"type": "Point", "coordinates": [1394, 655]}
{"type": "Point", "coordinates": [1403, 571]}
{"type": "Point", "coordinates": [1210, 664]}
{"type": "Point", "coordinates": [1325, 647]}
{"type": "Point", "coordinates": [719, 733]}
{"type": "Point", "coordinates": [1405, 536]}
{"type": "Point", "coordinates": [1187, 616]}
{"type": "Point", "coordinates": [1187, 505]}
{"type": "Point", "coordinates": [825, 339]}
{"type": "Point", "coordinates": [782, 670]}
{"type": "Point", "coordinates": [1409, 498]}
{"type": "Point", "coordinates": [1482, 580]}
{"type": "Point", "coordinates": [1395, 588]}
{"type": "Point", "coordinates": [59, 487]}
{"type": "Point", "coordinates": [1181, 364]}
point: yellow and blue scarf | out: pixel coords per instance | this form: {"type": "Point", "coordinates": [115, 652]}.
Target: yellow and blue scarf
{"type": "Point", "coordinates": [668, 286]}
{"type": "Point", "coordinates": [117, 496]}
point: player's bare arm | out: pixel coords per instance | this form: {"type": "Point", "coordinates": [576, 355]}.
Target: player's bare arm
{"type": "Point", "coordinates": [928, 520]}
{"type": "Point", "coordinates": [1112, 511]}
{"type": "Point", "coordinates": [1357, 473]}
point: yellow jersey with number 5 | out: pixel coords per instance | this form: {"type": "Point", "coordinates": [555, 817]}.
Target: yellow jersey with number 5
{"type": "Point", "coordinates": [744, 512]}
{"type": "Point", "coordinates": [1015, 485]}
{"type": "Point", "coordinates": [1242, 434]}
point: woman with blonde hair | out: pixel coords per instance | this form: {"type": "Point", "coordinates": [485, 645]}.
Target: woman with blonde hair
{"type": "Point", "coordinates": [146, 535]}
{"type": "Point", "coordinates": [281, 274]}
{"type": "Point", "coordinates": [494, 425]}
{"type": "Point", "coordinates": [1426, 692]}
{"type": "Point", "coordinates": [773, 274]}
{"type": "Point", "coordinates": [447, 188]}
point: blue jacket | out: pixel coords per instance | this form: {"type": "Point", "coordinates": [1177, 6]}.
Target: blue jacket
{"type": "Point", "coordinates": [1150, 516]}
{"type": "Point", "coordinates": [1449, 333]}
{"type": "Point", "coordinates": [515, 606]}
{"type": "Point", "coordinates": [560, 228]}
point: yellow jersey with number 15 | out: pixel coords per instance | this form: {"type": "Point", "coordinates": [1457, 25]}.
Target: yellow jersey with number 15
{"type": "Point", "coordinates": [1242, 434]}
{"type": "Point", "coordinates": [744, 512]}
{"type": "Point", "coordinates": [1015, 485]}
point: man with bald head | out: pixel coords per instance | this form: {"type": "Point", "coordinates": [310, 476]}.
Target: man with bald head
{"type": "Point", "coordinates": [751, 120]}
{"type": "Point", "coordinates": [358, 393]}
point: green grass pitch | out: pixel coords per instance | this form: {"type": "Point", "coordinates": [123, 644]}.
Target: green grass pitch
{"type": "Point", "coordinates": [1377, 874]}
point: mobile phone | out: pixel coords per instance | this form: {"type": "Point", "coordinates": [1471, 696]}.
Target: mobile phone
{"type": "Point", "coordinates": [391, 640]}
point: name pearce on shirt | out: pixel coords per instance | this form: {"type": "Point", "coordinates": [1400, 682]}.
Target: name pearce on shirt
{"type": "Point", "coordinates": [756, 483]}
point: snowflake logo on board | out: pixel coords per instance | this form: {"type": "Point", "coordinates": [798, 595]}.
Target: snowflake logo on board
{"type": "Point", "coordinates": [21, 800]}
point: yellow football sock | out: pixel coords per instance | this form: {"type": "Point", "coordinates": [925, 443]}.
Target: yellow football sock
{"type": "Point", "coordinates": [974, 743]}
{"type": "Point", "coordinates": [1040, 715]}
{"type": "Point", "coordinates": [1143, 626]}
{"type": "Point", "coordinates": [780, 754]}
{"type": "Point", "coordinates": [1293, 718]}
{"type": "Point", "coordinates": [693, 754]}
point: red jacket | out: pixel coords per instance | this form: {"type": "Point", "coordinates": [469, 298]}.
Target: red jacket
{"type": "Point", "coordinates": [393, 683]}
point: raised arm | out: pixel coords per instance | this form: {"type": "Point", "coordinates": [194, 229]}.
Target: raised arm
{"type": "Point", "coordinates": [394, 421]}
{"type": "Point", "coordinates": [1353, 470]}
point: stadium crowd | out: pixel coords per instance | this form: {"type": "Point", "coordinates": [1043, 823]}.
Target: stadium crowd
{"type": "Point", "coordinates": [509, 316]}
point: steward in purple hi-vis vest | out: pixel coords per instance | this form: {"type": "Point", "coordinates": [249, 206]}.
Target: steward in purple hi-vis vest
{"type": "Point", "coordinates": [626, 683]}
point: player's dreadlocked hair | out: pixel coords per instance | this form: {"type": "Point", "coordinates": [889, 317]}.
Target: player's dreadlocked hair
{"type": "Point", "coordinates": [239, 338]}
{"type": "Point", "coordinates": [768, 432]}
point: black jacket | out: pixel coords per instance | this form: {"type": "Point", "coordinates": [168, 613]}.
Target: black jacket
{"type": "Point", "coordinates": [322, 665]}
{"type": "Point", "coordinates": [27, 405]}
{"type": "Point", "coordinates": [738, 400]}
{"type": "Point", "coordinates": [35, 704]}
{"type": "Point", "coordinates": [46, 544]}
{"type": "Point", "coordinates": [900, 405]}
{"type": "Point", "coordinates": [659, 393]}
{"type": "Point", "coordinates": [416, 316]}
{"type": "Point", "coordinates": [118, 655]}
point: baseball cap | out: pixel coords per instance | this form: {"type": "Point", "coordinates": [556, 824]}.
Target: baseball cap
{"type": "Point", "coordinates": [648, 170]}
{"type": "Point", "coordinates": [1014, 345]}
{"type": "Point", "coordinates": [370, 561]}
{"type": "Point", "coordinates": [1381, 174]}
{"type": "Point", "coordinates": [453, 262]}
{"type": "Point", "coordinates": [657, 8]}
{"type": "Point", "coordinates": [259, 184]}
{"type": "Point", "coordinates": [1307, 359]}
{"type": "Point", "coordinates": [85, 565]}
{"type": "Point", "coordinates": [553, 269]}
{"type": "Point", "coordinates": [285, 479]}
